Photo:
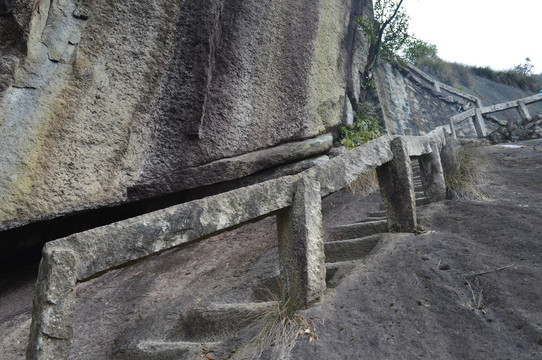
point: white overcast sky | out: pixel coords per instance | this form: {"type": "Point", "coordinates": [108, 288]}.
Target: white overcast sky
{"type": "Point", "coordinates": [494, 33]}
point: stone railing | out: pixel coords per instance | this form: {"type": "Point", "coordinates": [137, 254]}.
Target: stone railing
{"type": "Point", "coordinates": [438, 87]}
{"type": "Point", "coordinates": [296, 200]}
{"type": "Point", "coordinates": [477, 114]}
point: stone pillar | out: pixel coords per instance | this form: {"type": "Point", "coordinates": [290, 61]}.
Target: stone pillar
{"type": "Point", "coordinates": [436, 87]}
{"type": "Point", "coordinates": [452, 129]}
{"type": "Point", "coordinates": [448, 155]}
{"type": "Point", "coordinates": [432, 175]}
{"type": "Point", "coordinates": [397, 188]}
{"type": "Point", "coordinates": [301, 246]}
{"type": "Point", "coordinates": [51, 331]}
{"type": "Point", "coordinates": [523, 111]}
{"type": "Point", "coordinates": [479, 123]}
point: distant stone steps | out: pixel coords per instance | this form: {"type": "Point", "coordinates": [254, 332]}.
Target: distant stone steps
{"type": "Point", "coordinates": [337, 271]}
{"type": "Point", "coordinates": [218, 320]}
{"type": "Point", "coordinates": [350, 249]}
{"type": "Point", "coordinates": [377, 214]}
{"type": "Point", "coordinates": [421, 201]}
{"type": "Point", "coordinates": [164, 350]}
{"type": "Point", "coordinates": [355, 231]}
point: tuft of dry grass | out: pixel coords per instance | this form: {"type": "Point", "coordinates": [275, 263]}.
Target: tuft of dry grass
{"type": "Point", "coordinates": [467, 179]}
{"type": "Point", "coordinates": [280, 327]}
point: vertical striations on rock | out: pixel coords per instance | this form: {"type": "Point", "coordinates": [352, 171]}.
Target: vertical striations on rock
{"type": "Point", "coordinates": [99, 97]}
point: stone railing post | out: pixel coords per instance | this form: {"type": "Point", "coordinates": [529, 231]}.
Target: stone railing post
{"type": "Point", "coordinates": [397, 188]}
{"type": "Point", "coordinates": [301, 246]}
{"type": "Point", "coordinates": [523, 111]}
{"type": "Point", "coordinates": [51, 331]}
{"type": "Point", "coordinates": [432, 175]}
{"type": "Point", "coordinates": [479, 123]}
{"type": "Point", "coordinates": [452, 129]}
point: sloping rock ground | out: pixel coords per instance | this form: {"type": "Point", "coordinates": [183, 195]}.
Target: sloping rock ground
{"type": "Point", "coordinates": [412, 297]}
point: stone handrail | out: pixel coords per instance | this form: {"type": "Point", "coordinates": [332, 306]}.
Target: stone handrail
{"type": "Point", "coordinates": [478, 113]}
{"type": "Point", "coordinates": [296, 200]}
{"type": "Point", "coordinates": [438, 86]}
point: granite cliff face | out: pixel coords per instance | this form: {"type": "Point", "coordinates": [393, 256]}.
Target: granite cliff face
{"type": "Point", "coordinates": [107, 102]}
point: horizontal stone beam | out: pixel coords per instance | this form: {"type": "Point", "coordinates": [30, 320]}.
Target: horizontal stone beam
{"type": "Point", "coordinates": [119, 243]}
{"type": "Point", "coordinates": [342, 170]}
{"type": "Point", "coordinates": [116, 244]}
{"type": "Point", "coordinates": [232, 168]}
{"type": "Point", "coordinates": [417, 145]}
{"type": "Point", "coordinates": [532, 99]}
{"type": "Point", "coordinates": [441, 86]}
{"type": "Point", "coordinates": [463, 116]}
{"type": "Point", "coordinates": [500, 107]}
{"type": "Point", "coordinates": [459, 93]}
{"type": "Point", "coordinates": [421, 74]}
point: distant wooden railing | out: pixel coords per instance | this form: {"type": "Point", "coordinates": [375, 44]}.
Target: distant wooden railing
{"type": "Point", "coordinates": [296, 200]}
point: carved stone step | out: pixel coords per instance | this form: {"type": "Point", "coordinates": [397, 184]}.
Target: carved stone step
{"type": "Point", "coordinates": [379, 213]}
{"type": "Point", "coordinates": [216, 321]}
{"type": "Point", "coordinates": [355, 231]}
{"type": "Point", "coordinates": [335, 272]}
{"type": "Point", "coordinates": [373, 218]}
{"type": "Point", "coordinates": [163, 350]}
{"type": "Point", "coordinates": [353, 249]}
{"type": "Point", "coordinates": [422, 201]}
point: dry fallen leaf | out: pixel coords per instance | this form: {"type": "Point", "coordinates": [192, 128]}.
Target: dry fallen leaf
{"type": "Point", "coordinates": [210, 357]}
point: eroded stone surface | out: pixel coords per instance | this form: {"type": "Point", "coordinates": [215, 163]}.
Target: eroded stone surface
{"type": "Point", "coordinates": [105, 95]}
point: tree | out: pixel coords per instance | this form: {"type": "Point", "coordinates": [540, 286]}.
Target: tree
{"type": "Point", "coordinates": [416, 49]}
{"type": "Point", "coordinates": [525, 69]}
{"type": "Point", "coordinates": [388, 32]}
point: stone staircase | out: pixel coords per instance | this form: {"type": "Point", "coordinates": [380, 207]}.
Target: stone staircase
{"type": "Point", "coordinates": [207, 327]}
{"type": "Point", "coordinates": [421, 199]}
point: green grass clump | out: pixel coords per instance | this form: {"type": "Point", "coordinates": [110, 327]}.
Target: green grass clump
{"type": "Point", "coordinates": [364, 129]}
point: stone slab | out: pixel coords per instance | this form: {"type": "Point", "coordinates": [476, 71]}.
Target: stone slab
{"type": "Point", "coordinates": [234, 167]}
{"type": "Point", "coordinates": [353, 249]}
{"type": "Point", "coordinates": [113, 245]}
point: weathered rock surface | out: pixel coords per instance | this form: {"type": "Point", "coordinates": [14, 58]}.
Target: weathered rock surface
{"type": "Point", "coordinates": [101, 96]}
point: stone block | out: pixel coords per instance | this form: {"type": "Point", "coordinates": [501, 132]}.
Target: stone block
{"type": "Point", "coordinates": [397, 188]}
{"type": "Point", "coordinates": [432, 175]}
{"type": "Point", "coordinates": [51, 331]}
{"type": "Point", "coordinates": [301, 247]}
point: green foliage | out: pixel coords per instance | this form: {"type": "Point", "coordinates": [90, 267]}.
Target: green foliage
{"type": "Point", "coordinates": [457, 75]}
{"type": "Point", "coordinates": [453, 74]}
{"type": "Point", "coordinates": [417, 49]}
{"type": "Point", "coordinates": [525, 69]}
{"type": "Point", "coordinates": [519, 76]}
{"type": "Point", "coordinates": [364, 129]}
{"type": "Point", "coordinates": [389, 33]}
{"type": "Point", "coordinates": [371, 84]}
